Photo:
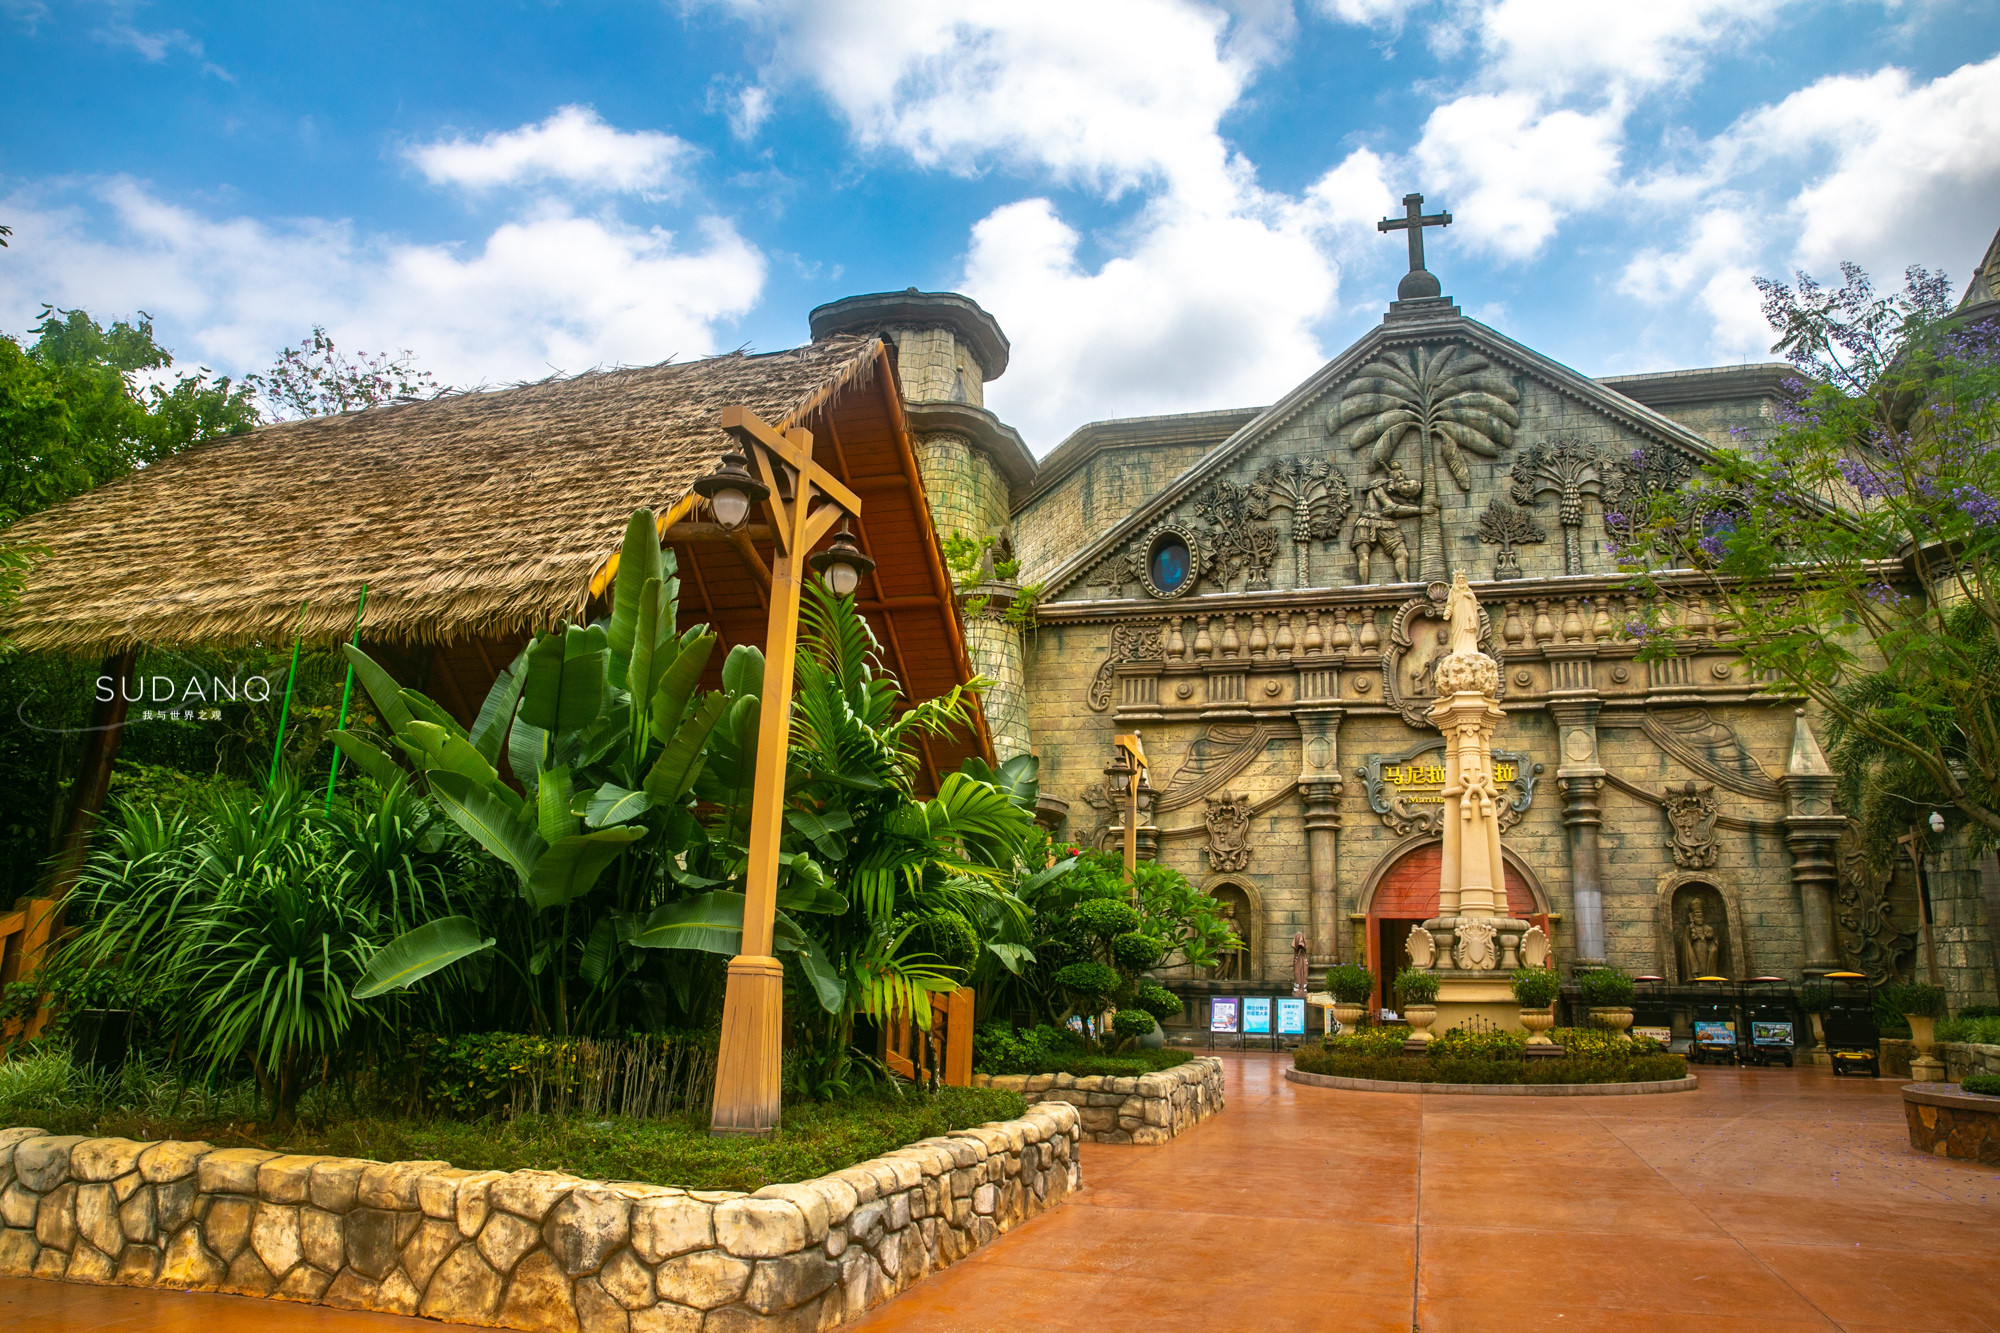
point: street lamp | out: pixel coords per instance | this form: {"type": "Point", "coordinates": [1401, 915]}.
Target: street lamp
{"type": "Point", "coordinates": [786, 482]}
{"type": "Point", "coordinates": [1917, 845]}
{"type": "Point", "coordinates": [1126, 777]}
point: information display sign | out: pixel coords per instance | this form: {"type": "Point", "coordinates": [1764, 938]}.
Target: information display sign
{"type": "Point", "coordinates": [1770, 1034]}
{"type": "Point", "coordinates": [1257, 1016]}
{"type": "Point", "coordinates": [1664, 1036]}
{"type": "Point", "coordinates": [1223, 1014]}
{"type": "Point", "coordinates": [1710, 1033]}
{"type": "Point", "coordinates": [1291, 1018]}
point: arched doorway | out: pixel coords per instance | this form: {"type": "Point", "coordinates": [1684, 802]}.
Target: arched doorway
{"type": "Point", "coordinates": [1404, 894]}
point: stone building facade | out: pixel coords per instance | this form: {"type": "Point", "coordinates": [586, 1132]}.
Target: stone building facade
{"type": "Point", "coordinates": [1259, 593]}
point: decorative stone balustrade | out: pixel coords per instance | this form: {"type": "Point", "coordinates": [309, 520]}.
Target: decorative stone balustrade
{"type": "Point", "coordinates": [525, 1249]}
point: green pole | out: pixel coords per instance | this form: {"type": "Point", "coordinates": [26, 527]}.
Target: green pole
{"type": "Point", "coordinates": [346, 692]}
{"type": "Point", "coordinates": [285, 709]}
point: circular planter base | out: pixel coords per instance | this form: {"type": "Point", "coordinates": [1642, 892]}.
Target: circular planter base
{"type": "Point", "coordinates": [1688, 1084]}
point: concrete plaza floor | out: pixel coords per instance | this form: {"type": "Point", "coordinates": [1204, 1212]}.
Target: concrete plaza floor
{"type": "Point", "coordinates": [1768, 1200]}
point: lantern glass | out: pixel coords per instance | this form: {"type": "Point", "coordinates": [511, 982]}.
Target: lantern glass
{"type": "Point", "coordinates": [1121, 774]}
{"type": "Point", "coordinates": [731, 507]}
{"type": "Point", "coordinates": [1937, 822]}
{"type": "Point", "coordinates": [841, 578]}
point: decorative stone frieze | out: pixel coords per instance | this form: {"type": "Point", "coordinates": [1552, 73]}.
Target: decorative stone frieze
{"type": "Point", "coordinates": [528, 1249]}
{"type": "Point", "coordinates": [1148, 1109]}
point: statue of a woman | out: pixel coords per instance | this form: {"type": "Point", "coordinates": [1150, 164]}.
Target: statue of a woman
{"type": "Point", "coordinates": [1463, 609]}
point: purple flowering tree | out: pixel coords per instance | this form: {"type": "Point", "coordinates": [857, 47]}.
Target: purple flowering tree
{"type": "Point", "coordinates": [318, 379]}
{"type": "Point", "coordinates": [1856, 553]}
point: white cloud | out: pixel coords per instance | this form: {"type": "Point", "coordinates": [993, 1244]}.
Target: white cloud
{"type": "Point", "coordinates": [573, 146]}
{"type": "Point", "coordinates": [549, 290]}
{"type": "Point", "coordinates": [1511, 170]}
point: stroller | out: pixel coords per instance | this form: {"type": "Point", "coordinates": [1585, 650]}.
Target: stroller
{"type": "Point", "coordinates": [1773, 1029]}
{"type": "Point", "coordinates": [1852, 1041]}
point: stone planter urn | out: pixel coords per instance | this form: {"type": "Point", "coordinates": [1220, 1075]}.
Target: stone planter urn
{"type": "Point", "coordinates": [1421, 1016]}
{"type": "Point", "coordinates": [1346, 1014]}
{"type": "Point", "coordinates": [1613, 1020]}
{"type": "Point", "coordinates": [1538, 1022]}
{"type": "Point", "coordinates": [1924, 1068]}
{"type": "Point", "coordinates": [1818, 1054]}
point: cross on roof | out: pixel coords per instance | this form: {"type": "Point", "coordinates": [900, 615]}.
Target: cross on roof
{"type": "Point", "coordinates": [1414, 220]}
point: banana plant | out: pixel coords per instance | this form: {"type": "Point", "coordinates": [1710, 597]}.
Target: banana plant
{"type": "Point", "coordinates": [603, 730]}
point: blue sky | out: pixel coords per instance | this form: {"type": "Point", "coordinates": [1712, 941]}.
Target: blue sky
{"type": "Point", "coordinates": [1169, 205]}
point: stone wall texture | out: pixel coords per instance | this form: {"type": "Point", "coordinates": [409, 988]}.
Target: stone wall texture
{"type": "Point", "coordinates": [526, 1249]}
{"type": "Point", "coordinates": [1149, 1109]}
{"type": "Point", "coordinates": [1945, 1122]}
{"type": "Point", "coordinates": [1960, 1057]}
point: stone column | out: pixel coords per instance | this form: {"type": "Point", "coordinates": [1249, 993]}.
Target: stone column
{"type": "Point", "coordinates": [1812, 832]}
{"type": "Point", "coordinates": [1580, 778]}
{"type": "Point", "coordinates": [1320, 788]}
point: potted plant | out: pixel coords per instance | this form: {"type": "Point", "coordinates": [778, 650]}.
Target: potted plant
{"type": "Point", "coordinates": [1920, 1004]}
{"type": "Point", "coordinates": [1608, 993]}
{"type": "Point", "coordinates": [1535, 990]}
{"type": "Point", "coordinates": [1417, 990]}
{"type": "Point", "coordinates": [1816, 997]}
{"type": "Point", "coordinates": [1351, 985]}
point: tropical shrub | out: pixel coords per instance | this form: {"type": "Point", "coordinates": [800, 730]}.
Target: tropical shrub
{"type": "Point", "coordinates": [1987, 1085]}
{"type": "Point", "coordinates": [1535, 987]}
{"type": "Point", "coordinates": [1350, 983]}
{"type": "Point", "coordinates": [1918, 999]}
{"type": "Point", "coordinates": [1605, 988]}
{"type": "Point", "coordinates": [1416, 985]}
{"type": "Point", "coordinates": [1985, 1031]}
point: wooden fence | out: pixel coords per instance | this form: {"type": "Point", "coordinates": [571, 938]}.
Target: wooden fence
{"type": "Point", "coordinates": [24, 937]}
{"type": "Point", "coordinates": [944, 1053]}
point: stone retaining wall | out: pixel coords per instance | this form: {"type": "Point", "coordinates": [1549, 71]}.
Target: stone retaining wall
{"type": "Point", "coordinates": [1960, 1057]}
{"type": "Point", "coordinates": [528, 1249]}
{"type": "Point", "coordinates": [1947, 1122]}
{"type": "Point", "coordinates": [1300, 1076]}
{"type": "Point", "coordinates": [1148, 1109]}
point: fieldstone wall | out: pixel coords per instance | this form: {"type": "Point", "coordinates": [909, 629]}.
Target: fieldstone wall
{"type": "Point", "coordinates": [525, 1249]}
{"type": "Point", "coordinates": [1960, 1057]}
{"type": "Point", "coordinates": [1148, 1109]}
{"type": "Point", "coordinates": [1946, 1122]}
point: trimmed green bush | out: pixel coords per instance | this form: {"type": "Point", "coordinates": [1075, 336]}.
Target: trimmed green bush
{"type": "Point", "coordinates": [1106, 916]}
{"type": "Point", "coordinates": [1416, 985]}
{"type": "Point", "coordinates": [1351, 983]}
{"type": "Point", "coordinates": [1000, 1049]}
{"type": "Point", "coordinates": [1919, 999]}
{"type": "Point", "coordinates": [1132, 1023]}
{"type": "Point", "coordinates": [1536, 987]}
{"type": "Point", "coordinates": [1606, 988]}
{"type": "Point", "coordinates": [1136, 952]}
{"type": "Point", "coordinates": [1158, 1001]}
{"type": "Point", "coordinates": [1433, 1067]}
{"type": "Point", "coordinates": [1981, 1030]}
{"type": "Point", "coordinates": [1986, 1085]}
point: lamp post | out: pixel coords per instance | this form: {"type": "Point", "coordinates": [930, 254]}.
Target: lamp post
{"type": "Point", "coordinates": [776, 472]}
{"type": "Point", "coordinates": [1917, 845]}
{"type": "Point", "coordinates": [1126, 776]}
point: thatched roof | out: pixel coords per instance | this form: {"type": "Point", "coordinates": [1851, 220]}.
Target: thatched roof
{"type": "Point", "coordinates": [479, 514]}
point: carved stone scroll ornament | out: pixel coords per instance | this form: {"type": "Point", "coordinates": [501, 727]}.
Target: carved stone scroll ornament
{"type": "Point", "coordinates": [1228, 821]}
{"type": "Point", "coordinates": [1314, 497]}
{"type": "Point", "coordinates": [1865, 924]}
{"type": "Point", "coordinates": [1099, 799]}
{"type": "Point", "coordinates": [1506, 527]}
{"type": "Point", "coordinates": [1418, 632]}
{"type": "Point", "coordinates": [1473, 948]}
{"type": "Point", "coordinates": [1129, 643]}
{"type": "Point", "coordinates": [1711, 748]}
{"type": "Point", "coordinates": [1690, 811]}
{"type": "Point", "coordinates": [1410, 805]}
{"type": "Point", "coordinates": [1234, 545]}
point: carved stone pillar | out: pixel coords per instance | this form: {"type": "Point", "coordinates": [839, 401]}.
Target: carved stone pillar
{"type": "Point", "coordinates": [1812, 832]}
{"type": "Point", "coordinates": [1320, 787]}
{"type": "Point", "coordinates": [1580, 778]}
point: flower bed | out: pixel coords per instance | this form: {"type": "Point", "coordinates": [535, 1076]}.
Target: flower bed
{"type": "Point", "coordinates": [525, 1249]}
{"type": "Point", "coordinates": [1465, 1059]}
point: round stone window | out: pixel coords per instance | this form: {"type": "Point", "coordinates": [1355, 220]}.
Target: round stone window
{"type": "Point", "coordinates": [1171, 565]}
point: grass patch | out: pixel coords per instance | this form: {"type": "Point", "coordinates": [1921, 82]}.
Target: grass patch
{"type": "Point", "coordinates": [813, 1138]}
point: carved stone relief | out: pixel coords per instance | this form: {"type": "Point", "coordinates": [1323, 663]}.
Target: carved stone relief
{"type": "Point", "coordinates": [1099, 799]}
{"type": "Point", "coordinates": [1472, 946]}
{"type": "Point", "coordinates": [1404, 794]}
{"type": "Point", "coordinates": [1417, 644]}
{"type": "Point", "coordinates": [1711, 748]}
{"type": "Point", "coordinates": [1129, 643]}
{"type": "Point", "coordinates": [1385, 501]}
{"type": "Point", "coordinates": [1631, 483]}
{"type": "Point", "coordinates": [1314, 497]}
{"type": "Point", "coordinates": [1213, 758]}
{"type": "Point", "coordinates": [1234, 546]}
{"type": "Point", "coordinates": [1422, 947]}
{"type": "Point", "coordinates": [1871, 941]}
{"type": "Point", "coordinates": [1234, 908]}
{"type": "Point", "coordinates": [1506, 527]}
{"type": "Point", "coordinates": [1228, 821]}
{"type": "Point", "coordinates": [1701, 933]}
{"type": "Point", "coordinates": [1535, 947]}
{"type": "Point", "coordinates": [1690, 811]}
{"type": "Point", "coordinates": [1570, 470]}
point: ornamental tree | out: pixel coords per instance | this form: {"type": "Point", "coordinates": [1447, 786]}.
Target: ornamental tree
{"type": "Point", "coordinates": [1854, 557]}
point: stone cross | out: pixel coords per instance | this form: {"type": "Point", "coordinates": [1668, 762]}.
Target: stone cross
{"type": "Point", "coordinates": [1414, 220]}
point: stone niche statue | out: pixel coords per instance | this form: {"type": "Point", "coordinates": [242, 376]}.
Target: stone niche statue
{"type": "Point", "coordinates": [1234, 908]}
{"type": "Point", "coordinates": [1691, 813]}
{"type": "Point", "coordinates": [1300, 962]}
{"type": "Point", "coordinates": [1701, 933]}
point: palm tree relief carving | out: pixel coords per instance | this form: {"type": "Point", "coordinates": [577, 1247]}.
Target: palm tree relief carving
{"type": "Point", "coordinates": [1570, 470]}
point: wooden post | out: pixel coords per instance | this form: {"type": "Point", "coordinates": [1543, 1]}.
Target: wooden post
{"type": "Point", "coordinates": [24, 949]}
{"type": "Point", "coordinates": [958, 1038]}
{"type": "Point", "coordinates": [93, 775]}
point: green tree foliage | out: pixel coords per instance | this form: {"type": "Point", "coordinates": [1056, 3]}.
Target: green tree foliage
{"type": "Point", "coordinates": [1856, 553]}
{"type": "Point", "coordinates": [318, 379]}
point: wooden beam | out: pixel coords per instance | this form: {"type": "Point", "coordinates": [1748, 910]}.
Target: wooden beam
{"type": "Point", "coordinates": [754, 563]}
{"type": "Point", "coordinates": [714, 532]}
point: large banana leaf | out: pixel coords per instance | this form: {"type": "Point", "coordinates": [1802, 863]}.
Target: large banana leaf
{"type": "Point", "coordinates": [415, 954]}
{"type": "Point", "coordinates": [368, 758]}
{"type": "Point", "coordinates": [829, 987]}
{"type": "Point", "coordinates": [679, 765]}
{"type": "Point", "coordinates": [527, 748]}
{"type": "Point", "coordinates": [566, 682]}
{"type": "Point", "coordinates": [743, 671]}
{"type": "Point", "coordinates": [567, 870]}
{"type": "Point", "coordinates": [638, 562]}
{"type": "Point", "coordinates": [614, 805]}
{"type": "Point", "coordinates": [553, 819]}
{"type": "Point", "coordinates": [489, 729]}
{"type": "Point", "coordinates": [710, 922]}
{"type": "Point", "coordinates": [425, 710]}
{"type": "Point", "coordinates": [493, 824]}
{"type": "Point", "coordinates": [435, 748]}
{"type": "Point", "coordinates": [638, 671]}
{"type": "Point", "coordinates": [678, 680]}
{"type": "Point", "coordinates": [386, 693]}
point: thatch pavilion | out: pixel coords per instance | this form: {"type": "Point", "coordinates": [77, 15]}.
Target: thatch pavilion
{"type": "Point", "coordinates": [479, 518]}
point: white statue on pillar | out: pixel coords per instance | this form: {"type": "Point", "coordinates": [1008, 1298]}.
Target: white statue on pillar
{"type": "Point", "coordinates": [1472, 890]}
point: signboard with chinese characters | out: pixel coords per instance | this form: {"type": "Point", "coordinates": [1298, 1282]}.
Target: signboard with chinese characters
{"type": "Point", "coordinates": [1291, 1018]}
{"type": "Point", "coordinates": [1222, 1014]}
{"type": "Point", "coordinates": [1257, 1015]}
{"type": "Point", "coordinates": [1407, 789]}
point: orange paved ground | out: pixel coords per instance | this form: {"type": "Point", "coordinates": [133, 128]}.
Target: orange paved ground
{"type": "Point", "coordinates": [1769, 1200]}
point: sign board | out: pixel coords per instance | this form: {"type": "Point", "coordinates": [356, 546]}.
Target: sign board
{"type": "Point", "coordinates": [1407, 789]}
{"type": "Point", "coordinates": [1770, 1034]}
{"type": "Point", "coordinates": [1664, 1036]}
{"type": "Point", "coordinates": [1257, 1015]}
{"type": "Point", "coordinates": [1710, 1033]}
{"type": "Point", "coordinates": [1291, 1018]}
{"type": "Point", "coordinates": [1222, 1014]}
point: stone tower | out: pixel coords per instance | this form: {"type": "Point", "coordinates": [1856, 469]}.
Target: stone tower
{"type": "Point", "coordinates": [947, 348]}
